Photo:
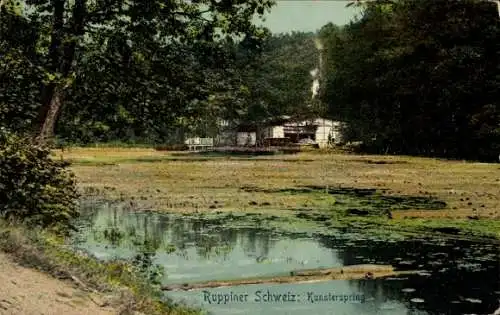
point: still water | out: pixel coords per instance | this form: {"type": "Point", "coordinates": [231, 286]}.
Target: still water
{"type": "Point", "coordinates": [457, 277]}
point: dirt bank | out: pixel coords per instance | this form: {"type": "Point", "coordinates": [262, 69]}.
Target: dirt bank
{"type": "Point", "coordinates": [31, 292]}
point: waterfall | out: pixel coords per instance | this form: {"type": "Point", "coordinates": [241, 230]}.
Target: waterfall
{"type": "Point", "coordinates": [316, 73]}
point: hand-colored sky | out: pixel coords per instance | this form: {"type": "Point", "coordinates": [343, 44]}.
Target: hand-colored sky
{"type": "Point", "coordinates": [307, 15]}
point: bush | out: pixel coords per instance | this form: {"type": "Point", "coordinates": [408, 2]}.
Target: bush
{"type": "Point", "coordinates": [34, 188]}
{"type": "Point", "coordinates": [172, 147]}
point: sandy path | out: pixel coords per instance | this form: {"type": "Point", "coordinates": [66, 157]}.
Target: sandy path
{"type": "Point", "coordinates": [30, 292]}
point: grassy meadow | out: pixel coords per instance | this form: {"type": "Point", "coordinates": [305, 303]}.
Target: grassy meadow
{"type": "Point", "coordinates": [377, 192]}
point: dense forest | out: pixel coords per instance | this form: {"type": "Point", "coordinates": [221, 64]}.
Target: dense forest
{"type": "Point", "coordinates": [408, 77]}
{"type": "Point", "coordinates": [418, 77]}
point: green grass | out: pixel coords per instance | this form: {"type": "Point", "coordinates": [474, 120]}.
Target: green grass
{"type": "Point", "coordinates": [112, 144]}
{"type": "Point", "coordinates": [487, 229]}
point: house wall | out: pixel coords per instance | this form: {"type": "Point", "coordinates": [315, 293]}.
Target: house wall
{"type": "Point", "coordinates": [325, 129]}
{"type": "Point", "coordinates": [322, 134]}
{"type": "Point", "coordinates": [273, 132]}
{"type": "Point", "coordinates": [246, 138]}
{"type": "Point", "coordinates": [278, 132]}
{"type": "Point", "coordinates": [337, 132]}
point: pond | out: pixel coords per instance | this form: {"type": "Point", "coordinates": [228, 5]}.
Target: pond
{"type": "Point", "coordinates": [455, 277]}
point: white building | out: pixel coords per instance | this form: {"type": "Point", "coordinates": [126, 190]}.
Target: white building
{"type": "Point", "coordinates": [246, 138]}
{"type": "Point", "coordinates": [327, 131]}
{"type": "Point", "coordinates": [320, 130]}
{"type": "Point", "coordinates": [273, 132]}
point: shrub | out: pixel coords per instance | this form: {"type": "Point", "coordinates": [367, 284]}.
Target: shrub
{"type": "Point", "coordinates": [34, 188]}
{"type": "Point", "coordinates": [172, 147]}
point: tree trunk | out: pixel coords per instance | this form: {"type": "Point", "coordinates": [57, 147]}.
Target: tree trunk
{"type": "Point", "coordinates": [50, 114]}
{"type": "Point", "coordinates": [41, 125]}
{"type": "Point", "coordinates": [62, 57]}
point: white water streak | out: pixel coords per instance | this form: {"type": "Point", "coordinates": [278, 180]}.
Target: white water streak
{"type": "Point", "coordinates": [316, 73]}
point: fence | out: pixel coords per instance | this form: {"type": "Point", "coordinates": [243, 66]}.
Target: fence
{"type": "Point", "coordinates": [196, 143]}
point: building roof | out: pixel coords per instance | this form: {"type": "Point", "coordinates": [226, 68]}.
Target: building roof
{"type": "Point", "coordinates": [284, 121]}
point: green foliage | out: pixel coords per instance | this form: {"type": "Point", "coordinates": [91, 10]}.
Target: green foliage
{"type": "Point", "coordinates": [276, 78]}
{"type": "Point", "coordinates": [19, 72]}
{"type": "Point", "coordinates": [418, 78]}
{"type": "Point", "coordinates": [179, 93]}
{"type": "Point", "coordinates": [144, 265]}
{"type": "Point", "coordinates": [408, 77]}
{"type": "Point", "coordinates": [123, 71]}
{"type": "Point", "coordinates": [34, 188]}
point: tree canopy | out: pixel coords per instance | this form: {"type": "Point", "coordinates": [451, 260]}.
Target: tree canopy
{"type": "Point", "coordinates": [418, 77]}
{"type": "Point", "coordinates": [408, 77]}
{"type": "Point", "coordinates": [154, 54]}
{"type": "Point", "coordinates": [278, 81]}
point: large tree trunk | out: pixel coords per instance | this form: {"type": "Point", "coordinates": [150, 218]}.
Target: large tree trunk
{"type": "Point", "coordinates": [62, 57]}
{"type": "Point", "coordinates": [50, 114]}
{"type": "Point", "coordinates": [42, 129]}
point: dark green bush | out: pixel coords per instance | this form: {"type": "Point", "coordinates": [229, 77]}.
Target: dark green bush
{"type": "Point", "coordinates": [172, 147]}
{"type": "Point", "coordinates": [34, 188]}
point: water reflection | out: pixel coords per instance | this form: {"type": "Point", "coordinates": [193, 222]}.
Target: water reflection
{"type": "Point", "coordinates": [457, 277]}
